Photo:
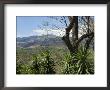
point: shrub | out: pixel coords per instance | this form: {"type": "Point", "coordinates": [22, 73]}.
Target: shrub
{"type": "Point", "coordinates": [79, 62]}
{"type": "Point", "coordinates": [43, 64]}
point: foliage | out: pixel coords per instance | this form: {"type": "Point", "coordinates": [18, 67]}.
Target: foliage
{"type": "Point", "coordinates": [79, 63]}
{"type": "Point", "coordinates": [40, 64]}
{"type": "Point", "coordinates": [52, 58]}
{"type": "Point", "coordinates": [55, 60]}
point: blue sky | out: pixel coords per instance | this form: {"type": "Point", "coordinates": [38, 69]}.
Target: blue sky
{"type": "Point", "coordinates": [37, 25]}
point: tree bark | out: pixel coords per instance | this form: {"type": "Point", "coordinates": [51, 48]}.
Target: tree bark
{"type": "Point", "coordinates": [66, 38]}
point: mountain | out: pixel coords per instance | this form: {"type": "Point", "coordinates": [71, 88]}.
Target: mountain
{"type": "Point", "coordinates": [43, 40]}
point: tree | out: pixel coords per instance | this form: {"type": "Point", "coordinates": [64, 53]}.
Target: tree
{"type": "Point", "coordinates": [78, 30]}
{"type": "Point", "coordinates": [79, 27]}
{"type": "Point", "coordinates": [88, 33]}
{"type": "Point", "coordinates": [86, 27]}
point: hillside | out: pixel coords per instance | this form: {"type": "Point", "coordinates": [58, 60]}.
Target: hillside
{"type": "Point", "coordinates": [43, 40]}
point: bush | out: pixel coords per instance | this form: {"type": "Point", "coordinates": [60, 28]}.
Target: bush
{"type": "Point", "coordinates": [55, 61]}
{"type": "Point", "coordinates": [78, 63]}
{"type": "Point", "coordinates": [43, 64]}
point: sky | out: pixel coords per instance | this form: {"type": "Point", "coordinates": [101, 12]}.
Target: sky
{"type": "Point", "coordinates": [39, 25]}
{"type": "Point", "coordinates": [42, 25]}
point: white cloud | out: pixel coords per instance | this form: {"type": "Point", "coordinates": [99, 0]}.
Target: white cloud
{"type": "Point", "coordinates": [58, 32]}
{"type": "Point", "coordinates": [38, 32]}
{"type": "Point", "coordinates": [49, 31]}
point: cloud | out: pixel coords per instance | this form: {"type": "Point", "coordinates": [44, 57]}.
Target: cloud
{"type": "Point", "coordinates": [38, 32]}
{"type": "Point", "coordinates": [58, 32]}
{"type": "Point", "coordinates": [50, 31]}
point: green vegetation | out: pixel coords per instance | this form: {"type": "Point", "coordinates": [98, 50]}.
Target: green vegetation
{"type": "Point", "coordinates": [54, 60]}
{"type": "Point", "coordinates": [64, 47]}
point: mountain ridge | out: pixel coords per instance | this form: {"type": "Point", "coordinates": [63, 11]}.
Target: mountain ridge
{"type": "Point", "coordinates": [43, 40]}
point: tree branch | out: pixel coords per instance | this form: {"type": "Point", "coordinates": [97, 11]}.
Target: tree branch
{"type": "Point", "coordinates": [84, 36]}
{"type": "Point", "coordinates": [87, 44]}
{"type": "Point", "coordinates": [70, 26]}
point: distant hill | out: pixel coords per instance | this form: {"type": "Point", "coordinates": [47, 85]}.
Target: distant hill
{"type": "Point", "coordinates": [43, 40]}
